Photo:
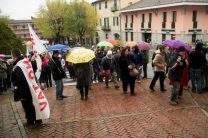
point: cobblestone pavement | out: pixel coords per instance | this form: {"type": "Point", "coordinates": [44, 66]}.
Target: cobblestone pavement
{"type": "Point", "coordinates": [110, 114]}
{"type": "Point", "coordinates": [8, 123]}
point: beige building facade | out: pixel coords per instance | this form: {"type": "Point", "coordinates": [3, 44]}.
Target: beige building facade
{"type": "Point", "coordinates": [109, 25]}
{"type": "Point", "coordinates": [20, 28]}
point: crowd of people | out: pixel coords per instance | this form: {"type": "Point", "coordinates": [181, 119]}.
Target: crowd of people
{"type": "Point", "coordinates": [110, 65]}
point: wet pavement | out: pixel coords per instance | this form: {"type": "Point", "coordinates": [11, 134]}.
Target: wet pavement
{"type": "Point", "coordinates": [108, 113]}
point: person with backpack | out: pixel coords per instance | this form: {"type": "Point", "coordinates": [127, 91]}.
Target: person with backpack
{"type": "Point", "coordinates": [159, 68]}
{"type": "Point", "coordinates": [138, 59]}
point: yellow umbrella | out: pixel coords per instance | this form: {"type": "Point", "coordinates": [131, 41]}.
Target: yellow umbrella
{"type": "Point", "coordinates": [80, 55]}
{"type": "Point", "coordinates": [131, 43]}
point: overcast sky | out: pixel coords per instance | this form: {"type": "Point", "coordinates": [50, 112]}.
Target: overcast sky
{"type": "Point", "coordinates": [22, 9]}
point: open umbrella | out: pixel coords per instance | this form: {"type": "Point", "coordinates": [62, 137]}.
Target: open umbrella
{"type": "Point", "coordinates": [80, 55]}
{"type": "Point", "coordinates": [144, 46]}
{"type": "Point", "coordinates": [131, 43]}
{"type": "Point", "coordinates": [188, 48]}
{"type": "Point", "coordinates": [58, 47]}
{"type": "Point", "coordinates": [113, 42]}
{"type": "Point", "coordinates": [105, 44]}
{"type": "Point", "coordinates": [2, 55]}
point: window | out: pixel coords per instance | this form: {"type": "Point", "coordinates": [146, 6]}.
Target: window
{"type": "Point", "coordinates": [106, 21]}
{"type": "Point", "coordinates": [143, 20]}
{"type": "Point", "coordinates": [126, 24]}
{"type": "Point", "coordinates": [106, 36]}
{"type": "Point", "coordinates": [163, 37]}
{"type": "Point", "coordinates": [100, 22]}
{"type": "Point", "coordinates": [117, 22]}
{"type": "Point", "coordinates": [23, 26]}
{"type": "Point", "coordinates": [164, 16]}
{"type": "Point", "coordinates": [195, 14]}
{"type": "Point", "coordinates": [25, 35]}
{"type": "Point", "coordinates": [132, 36]}
{"type": "Point", "coordinates": [95, 7]}
{"type": "Point", "coordinates": [174, 16]}
{"type": "Point", "coordinates": [126, 36]}
{"type": "Point", "coordinates": [100, 6]}
{"type": "Point", "coordinates": [115, 3]}
{"type": "Point", "coordinates": [193, 38]}
{"type": "Point", "coordinates": [114, 18]}
{"type": "Point", "coordinates": [106, 4]}
{"type": "Point", "coordinates": [173, 36]}
{"type": "Point", "coordinates": [132, 21]}
{"type": "Point", "coordinates": [150, 20]}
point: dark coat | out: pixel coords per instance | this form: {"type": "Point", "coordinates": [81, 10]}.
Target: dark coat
{"type": "Point", "coordinates": [107, 64]}
{"type": "Point", "coordinates": [124, 62]}
{"type": "Point", "coordinates": [176, 73]}
{"type": "Point", "coordinates": [83, 74]}
{"type": "Point", "coordinates": [21, 87]}
{"type": "Point", "coordinates": [56, 69]}
{"type": "Point", "coordinates": [197, 59]}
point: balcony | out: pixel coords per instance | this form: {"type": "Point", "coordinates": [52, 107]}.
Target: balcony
{"type": "Point", "coordinates": [106, 28]}
{"type": "Point", "coordinates": [114, 8]}
{"type": "Point", "coordinates": [194, 24]}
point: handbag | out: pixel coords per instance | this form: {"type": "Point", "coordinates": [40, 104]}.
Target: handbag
{"type": "Point", "coordinates": [133, 72]}
{"type": "Point", "coordinates": [105, 73]}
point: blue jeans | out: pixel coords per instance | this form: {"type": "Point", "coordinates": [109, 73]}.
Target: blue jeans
{"type": "Point", "coordinates": [59, 87]}
{"type": "Point", "coordinates": [196, 77]}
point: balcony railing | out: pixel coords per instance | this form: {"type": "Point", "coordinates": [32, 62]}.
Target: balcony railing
{"type": "Point", "coordinates": [106, 28]}
{"type": "Point", "coordinates": [163, 24]}
{"type": "Point", "coordinates": [114, 8]}
{"type": "Point", "coordinates": [194, 24]}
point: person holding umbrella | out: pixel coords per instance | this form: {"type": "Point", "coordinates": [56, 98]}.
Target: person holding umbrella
{"type": "Point", "coordinates": [81, 59]}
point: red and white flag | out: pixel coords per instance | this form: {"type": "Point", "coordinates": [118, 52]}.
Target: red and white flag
{"type": "Point", "coordinates": [37, 45]}
{"type": "Point", "coordinates": [38, 48]}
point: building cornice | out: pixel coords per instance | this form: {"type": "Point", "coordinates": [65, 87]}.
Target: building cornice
{"type": "Point", "coordinates": [165, 6]}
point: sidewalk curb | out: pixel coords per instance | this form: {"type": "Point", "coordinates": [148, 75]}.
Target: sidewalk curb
{"type": "Point", "coordinates": [19, 121]}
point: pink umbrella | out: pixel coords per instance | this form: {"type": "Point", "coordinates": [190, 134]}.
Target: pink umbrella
{"type": "Point", "coordinates": [113, 42]}
{"type": "Point", "coordinates": [144, 46]}
{"type": "Point", "coordinates": [188, 48]}
{"type": "Point", "coordinates": [2, 55]}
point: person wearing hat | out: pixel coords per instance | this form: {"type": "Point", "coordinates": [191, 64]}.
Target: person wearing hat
{"type": "Point", "coordinates": [58, 74]}
{"type": "Point", "coordinates": [3, 76]}
{"type": "Point", "coordinates": [159, 63]}
{"type": "Point", "coordinates": [108, 66]}
{"type": "Point", "coordinates": [177, 64]}
{"type": "Point", "coordinates": [197, 62]}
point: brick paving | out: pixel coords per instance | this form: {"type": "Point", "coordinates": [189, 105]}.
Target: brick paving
{"type": "Point", "coordinates": [110, 114]}
{"type": "Point", "coordinates": [8, 124]}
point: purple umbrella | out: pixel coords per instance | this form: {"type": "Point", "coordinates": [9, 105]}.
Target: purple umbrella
{"type": "Point", "coordinates": [168, 43]}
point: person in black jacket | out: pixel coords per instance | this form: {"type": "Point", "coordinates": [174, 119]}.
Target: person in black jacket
{"type": "Point", "coordinates": [177, 64]}
{"type": "Point", "coordinates": [58, 74]}
{"type": "Point", "coordinates": [197, 63]}
{"type": "Point", "coordinates": [125, 62]}
{"type": "Point", "coordinates": [22, 90]}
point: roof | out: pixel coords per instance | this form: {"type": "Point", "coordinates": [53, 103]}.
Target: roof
{"type": "Point", "coordinates": [20, 21]}
{"type": "Point", "coordinates": [97, 1]}
{"type": "Point", "coordinates": [149, 4]}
